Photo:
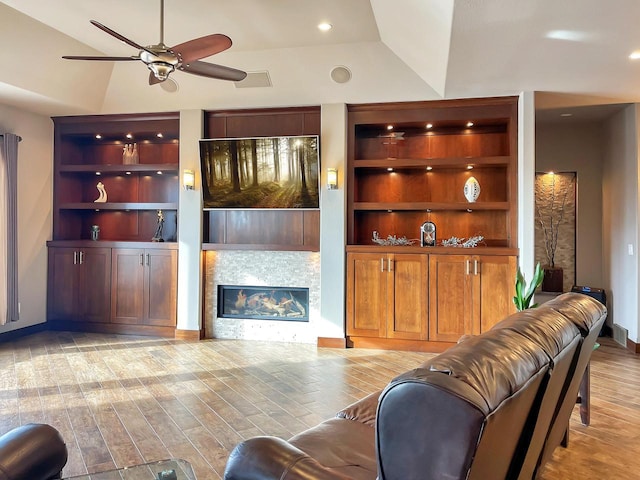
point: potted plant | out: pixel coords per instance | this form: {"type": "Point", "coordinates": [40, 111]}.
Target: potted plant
{"type": "Point", "coordinates": [524, 294]}
{"type": "Point", "coordinates": [551, 200]}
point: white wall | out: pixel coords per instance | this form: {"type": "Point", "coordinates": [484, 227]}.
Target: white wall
{"type": "Point", "coordinates": [333, 222]}
{"type": "Point", "coordinates": [35, 183]}
{"type": "Point", "coordinates": [526, 175]}
{"type": "Point", "coordinates": [620, 219]}
{"type": "Point", "coordinates": [579, 148]}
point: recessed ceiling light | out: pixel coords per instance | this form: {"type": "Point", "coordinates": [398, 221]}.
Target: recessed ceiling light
{"type": "Point", "coordinates": [469, 167]}
{"type": "Point", "coordinates": [98, 136]}
{"type": "Point", "coordinates": [98, 173]}
{"type": "Point", "coordinates": [429, 168]}
{"type": "Point", "coordinates": [159, 135]}
{"type": "Point", "coordinates": [429, 125]}
{"type": "Point", "coordinates": [129, 135]}
{"type": "Point", "coordinates": [324, 26]}
{"type": "Point", "coordinates": [566, 114]}
{"type": "Point", "coordinates": [635, 55]}
{"type": "Point", "coordinates": [469, 124]}
{"type": "Point", "coordinates": [389, 127]}
{"type": "Point", "coordinates": [389, 169]}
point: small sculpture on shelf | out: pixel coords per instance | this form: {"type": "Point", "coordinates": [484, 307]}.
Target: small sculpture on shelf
{"type": "Point", "coordinates": [157, 237]}
{"type": "Point", "coordinates": [103, 193]}
{"type": "Point", "coordinates": [130, 154]}
{"type": "Point", "coordinates": [95, 232]}
{"type": "Point", "coordinates": [391, 240]}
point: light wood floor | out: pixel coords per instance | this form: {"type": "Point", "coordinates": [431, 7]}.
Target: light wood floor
{"type": "Point", "coordinates": [121, 400]}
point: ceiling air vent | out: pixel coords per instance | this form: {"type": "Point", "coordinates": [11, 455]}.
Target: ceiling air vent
{"type": "Point", "coordinates": [255, 80]}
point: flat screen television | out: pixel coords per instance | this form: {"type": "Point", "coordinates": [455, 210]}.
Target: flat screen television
{"type": "Point", "coordinates": [264, 172]}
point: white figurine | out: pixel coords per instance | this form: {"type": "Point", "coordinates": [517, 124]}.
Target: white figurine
{"type": "Point", "coordinates": [103, 194]}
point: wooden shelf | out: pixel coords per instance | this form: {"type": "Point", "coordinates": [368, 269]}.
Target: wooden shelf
{"type": "Point", "coordinates": [429, 206]}
{"type": "Point", "coordinates": [421, 163]}
{"type": "Point", "coordinates": [119, 206]}
{"type": "Point", "coordinates": [259, 247]}
{"type": "Point", "coordinates": [118, 168]}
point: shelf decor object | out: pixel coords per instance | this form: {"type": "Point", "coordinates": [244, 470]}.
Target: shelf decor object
{"type": "Point", "coordinates": [471, 189]}
{"type": "Point", "coordinates": [428, 234]}
{"type": "Point", "coordinates": [470, 242]}
{"type": "Point", "coordinates": [95, 232]}
{"type": "Point", "coordinates": [391, 240]}
{"type": "Point", "coordinates": [103, 193]}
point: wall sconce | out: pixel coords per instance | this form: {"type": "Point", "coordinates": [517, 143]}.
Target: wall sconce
{"type": "Point", "coordinates": [332, 178]}
{"type": "Point", "coordinates": [188, 179]}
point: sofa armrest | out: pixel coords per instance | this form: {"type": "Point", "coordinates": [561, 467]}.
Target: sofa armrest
{"type": "Point", "coordinates": [33, 451]}
{"type": "Point", "coordinates": [264, 458]}
{"type": "Point", "coordinates": [363, 411]}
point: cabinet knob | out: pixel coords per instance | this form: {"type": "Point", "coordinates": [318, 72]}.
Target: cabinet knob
{"type": "Point", "coordinates": [148, 259]}
{"type": "Point", "coordinates": [382, 264]}
{"type": "Point", "coordinates": [467, 264]}
{"type": "Point", "coordinates": [81, 257]}
{"type": "Point", "coordinates": [389, 265]}
{"type": "Point", "coordinates": [475, 267]}
{"type": "Point", "coordinates": [75, 257]}
{"type": "Point", "coordinates": [142, 259]}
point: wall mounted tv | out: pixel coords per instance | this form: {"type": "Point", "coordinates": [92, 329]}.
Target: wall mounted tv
{"type": "Point", "coordinates": [264, 172]}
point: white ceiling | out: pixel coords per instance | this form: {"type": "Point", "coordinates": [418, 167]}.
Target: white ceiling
{"type": "Point", "coordinates": [573, 52]}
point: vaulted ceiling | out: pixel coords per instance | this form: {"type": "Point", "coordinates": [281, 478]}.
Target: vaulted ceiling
{"type": "Point", "coordinates": [573, 52]}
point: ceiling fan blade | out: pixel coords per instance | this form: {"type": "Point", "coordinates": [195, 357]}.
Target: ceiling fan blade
{"type": "Point", "coordinates": [111, 59]}
{"type": "Point", "coordinates": [211, 70]}
{"type": "Point", "coordinates": [201, 47]}
{"type": "Point", "coordinates": [153, 79]}
{"type": "Point", "coordinates": [124, 39]}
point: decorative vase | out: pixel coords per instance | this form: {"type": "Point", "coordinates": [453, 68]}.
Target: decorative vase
{"type": "Point", "coordinates": [95, 232]}
{"type": "Point", "coordinates": [552, 280]}
{"type": "Point", "coordinates": [471, 189]}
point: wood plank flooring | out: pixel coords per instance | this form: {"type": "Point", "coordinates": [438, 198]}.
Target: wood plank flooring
{"type": "Point", "coordinates": [124, 400]}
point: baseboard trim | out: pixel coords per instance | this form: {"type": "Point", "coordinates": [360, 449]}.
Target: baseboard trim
{"type": "Point", "coordinates": [633, 346]}
{"type": "Point", "coordinates": [23, 332]}
{"type": "Point", "coordinates": [189, 334]}
{"type": "Point", "coordinates": [328, 342]}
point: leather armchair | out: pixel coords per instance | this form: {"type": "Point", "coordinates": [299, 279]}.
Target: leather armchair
{"type": "Point", "coordinates": [32, 452]}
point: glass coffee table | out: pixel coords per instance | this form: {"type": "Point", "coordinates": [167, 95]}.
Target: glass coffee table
{"type": "Point", "coordinates": [173, 469]}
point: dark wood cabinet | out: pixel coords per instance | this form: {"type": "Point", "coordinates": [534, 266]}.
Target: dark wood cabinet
{"type": "Point", "coordinates": [90, 150]}
{"type": "Point", "coordinates": [144, 286]}
{"type": "Point", "coordinates": [79, 284]}
{"type": "Point", "coordinates": [387, 295]}
{"type": "Point", "coordinates": [94, 285]}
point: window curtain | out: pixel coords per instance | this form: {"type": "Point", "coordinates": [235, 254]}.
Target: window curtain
{"type": "Point", "coordinates": [9, 228]}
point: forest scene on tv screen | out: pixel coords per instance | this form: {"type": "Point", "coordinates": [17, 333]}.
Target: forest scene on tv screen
{"type": "Point", "coordinates": [270, 172]}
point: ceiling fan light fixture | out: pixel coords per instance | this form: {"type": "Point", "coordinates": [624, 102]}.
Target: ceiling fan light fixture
{"type": "Point", "coordinates": [161, 70]}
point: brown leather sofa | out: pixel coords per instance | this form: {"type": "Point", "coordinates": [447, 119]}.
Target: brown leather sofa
{"type": "Point", "coordinates": [494, 406]}
{"type": "Point", "coordinates": [32, 452]}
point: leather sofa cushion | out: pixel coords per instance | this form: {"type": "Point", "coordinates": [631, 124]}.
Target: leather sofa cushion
{"type": "Point", "coordinates": [346, 446]}
{"type": "Point", "coordinates": [363, 411]}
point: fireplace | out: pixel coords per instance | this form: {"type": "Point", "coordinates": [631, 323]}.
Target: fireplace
{"type": "Point", "coordinates": [263, 303]}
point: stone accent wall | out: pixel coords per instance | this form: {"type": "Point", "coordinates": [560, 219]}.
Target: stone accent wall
{"type": "Point", "coordinates": [549, 197]}
{"type": "Point", "coordinates": [282, 269]}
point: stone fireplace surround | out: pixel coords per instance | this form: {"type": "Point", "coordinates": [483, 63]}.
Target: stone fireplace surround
{"type": "Point", "coordinates": [254, 268]}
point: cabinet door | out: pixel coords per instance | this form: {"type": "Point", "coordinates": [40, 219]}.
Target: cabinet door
{"type": "Point", "coordinates": [450, 306]}
{"type": "Point", "coordinates": [94, 288]}
{"type": "Point", "coordinates": [408, 307]}
{"type": "Point", "coordinates": [493, 289]}
{"type": "Point", "coordinates": [160, 292]}
{"type": "Point", "coordinates": [367, 294]}
{"type": "Point", "coordinates": [62, 291]}
{"type": "Point", "coordinates": [127, 285]}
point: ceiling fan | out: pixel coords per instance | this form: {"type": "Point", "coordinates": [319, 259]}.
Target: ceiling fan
{"type": "Point", "coordinates": [161, 60]}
